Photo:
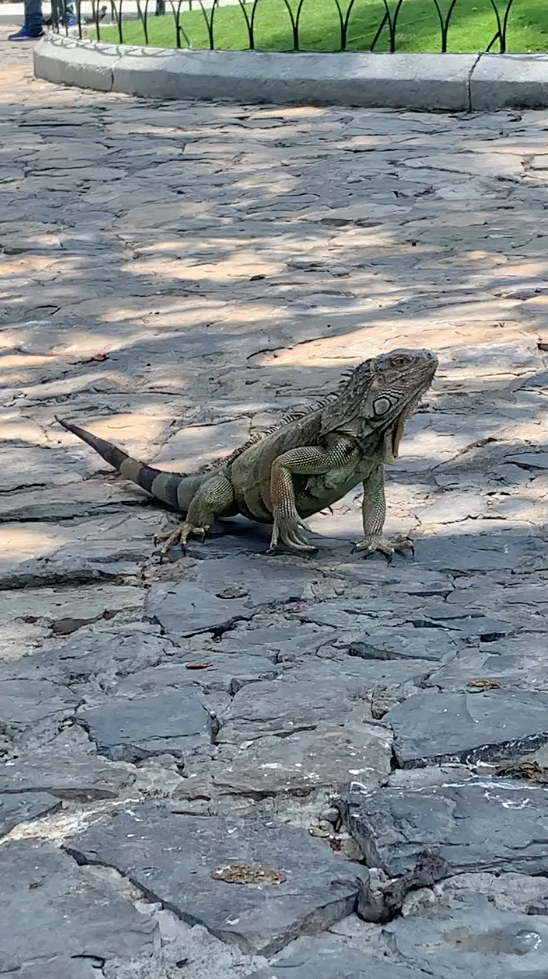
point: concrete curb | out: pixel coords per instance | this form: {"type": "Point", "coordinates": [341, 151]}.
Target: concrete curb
{"type": "Point", "coordinates": [449, 82]}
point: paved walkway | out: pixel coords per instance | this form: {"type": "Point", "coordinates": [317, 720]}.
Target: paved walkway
{"type": "Point", "coordinates": [173, 276]}
{"type": "Point", "coordinates": [13, 13]}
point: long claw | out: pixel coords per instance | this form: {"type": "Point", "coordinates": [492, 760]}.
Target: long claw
{"type": "Point", "coordinates": [179, 535]}
{"type": "Point", "coordinates": [378, 542]}
{"type": "Point", "coordinates": [304, 548]}
{"type": "Point", "coordinates": [299, 543]}
{"type": "Point", "coordinates": [288, 528]}
{"type": "Point", "coordinates": [170, 537]}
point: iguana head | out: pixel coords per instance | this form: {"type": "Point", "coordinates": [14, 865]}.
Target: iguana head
{"type": "Point", "coordinates": [382, 393]}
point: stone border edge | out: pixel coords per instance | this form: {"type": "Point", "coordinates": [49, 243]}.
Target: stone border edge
{"type": "Point", "coordinates": [427, 82]}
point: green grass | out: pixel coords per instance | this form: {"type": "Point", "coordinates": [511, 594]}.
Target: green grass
{"type": "Point", "coordinates": [472, 27]}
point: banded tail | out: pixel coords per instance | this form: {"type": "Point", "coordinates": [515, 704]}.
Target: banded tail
{"type": "Point", "coordinates": [177, 491]}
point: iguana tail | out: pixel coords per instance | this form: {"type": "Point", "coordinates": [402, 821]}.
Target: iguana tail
{"type": "Point", "coordinates": [175, 490]}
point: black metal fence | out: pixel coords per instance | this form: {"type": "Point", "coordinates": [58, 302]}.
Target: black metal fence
{"type": "Point", "coordinates": [119, 12]}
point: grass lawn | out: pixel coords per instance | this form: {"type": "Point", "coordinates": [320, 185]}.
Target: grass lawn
{"type": "Point", "coordinates": [472, 27]}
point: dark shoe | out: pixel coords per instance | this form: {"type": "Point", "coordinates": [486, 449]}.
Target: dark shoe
{"type": "Point", "coordinates": [25, 35]}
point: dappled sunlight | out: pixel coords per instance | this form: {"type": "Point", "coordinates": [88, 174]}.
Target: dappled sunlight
{"type": "Point", "coordinates": [29, 542]}
{"type": "Point", "coordinates": [11, 364]}
{"type": "Point", "coordinates": [134, 427]}
{"type": "Point", "coordinates": [194, 447]}
{"type": "Point", "coordinates": [244, 266]}
{"type": "Point", "coordinates": [176, 278]}
{"type": "Point", "coordinates": [429, 448]}
{"type": "Point", "coordinates": [14, 427]}
{"type": "Point", "coordinates": [465, 351]}
{"type": "Point", "coordinates": [216, 266]}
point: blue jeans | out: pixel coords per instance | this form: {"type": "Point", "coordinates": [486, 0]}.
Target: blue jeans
{"type": "Point", "coordinates": [33, 14]}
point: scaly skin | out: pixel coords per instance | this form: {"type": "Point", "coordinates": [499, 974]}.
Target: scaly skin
{"type": "Point", "coordinates": [305, 464]}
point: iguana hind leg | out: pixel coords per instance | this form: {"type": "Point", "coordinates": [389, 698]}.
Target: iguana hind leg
{"type": "Point", "coordinates": [373, 515]}
{"type": "Point", "coordinates": [308, 460]}
{"type": "Point", "coordinates": [213, 499]}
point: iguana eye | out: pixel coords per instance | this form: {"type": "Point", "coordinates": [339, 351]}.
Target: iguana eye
{"type": "Point", "coordinates": [381, 406]}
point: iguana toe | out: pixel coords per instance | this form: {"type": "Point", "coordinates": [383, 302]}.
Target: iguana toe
{"type": "Point", "coordinates": [288, 529]}
{"type": "Point", "coordinates": [179, 535]}
{"type": "Point", "coordinates": [378, 542]}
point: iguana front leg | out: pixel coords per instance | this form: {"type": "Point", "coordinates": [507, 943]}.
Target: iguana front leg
{"type": "Point", "coordinates": [213, 499]}
{"type": "Point", "coordinates": [374, 514]}
{"type": "Point", "coordinates": [308, 460]}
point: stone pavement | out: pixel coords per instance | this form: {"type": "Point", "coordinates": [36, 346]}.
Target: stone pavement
{"type": "Point", "coordinates": [203, 759]}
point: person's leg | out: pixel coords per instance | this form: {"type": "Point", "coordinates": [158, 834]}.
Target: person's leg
{"type": "Point", "coordinates": [33, 16]}
{"type": "Point", "coordinates": [66, 13]}
{"type": "Point", "coordinates": [32, 27]}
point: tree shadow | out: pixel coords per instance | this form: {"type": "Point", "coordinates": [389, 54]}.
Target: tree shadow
{"type": "Point", "coordinates": [186, 268]}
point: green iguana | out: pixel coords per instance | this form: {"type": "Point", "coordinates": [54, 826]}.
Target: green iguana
{"type": "Point", "coordinates": [304, 464]}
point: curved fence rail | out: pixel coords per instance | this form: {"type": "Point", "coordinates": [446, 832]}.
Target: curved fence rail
{"type": "Point", "coordinates": [366, 25]}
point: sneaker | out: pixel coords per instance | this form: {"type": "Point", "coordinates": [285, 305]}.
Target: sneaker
{"type": "Point", "coordinates": [25, 35]}
{"type": "Point", "coordinates": [72, 22]}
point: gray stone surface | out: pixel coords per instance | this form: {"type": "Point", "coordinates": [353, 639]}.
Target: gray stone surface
{"type": "Point", "coordinates": [213, 672]}
{"type": "Point", "coordinates": [286, 706]}
{"type": "Point", "coordinates": [354, 676]}
{"type": "Point", "coordinates": [507, 891]}
{"type": "Point", "coordinates": [66, 774]}
{"type": "Point", "coordinates": [530, 460]}
{"type": "Point", "coordinates": [185, 609]}
{"type": "Point", "coordinates": [482, 824]}
{"type": "Point", "coordinates": [516, 662]}
{"type": "Point", "coordinates": [130, 730]}
{"type": "Point", "coordinates": [418, 643]}
{"type": "Point", "coordinates": [261, 579]}
{"type": "Point", "coordinates": [473, 939]}
{"type": "Point", "coordinates": [172, 857]}
{"type": "Point", "coordinates": [175, 276]}
{"type": "Point", "coordinates": [468, 727]}
{"type": "Point", "coordinates": [469, 938]}
{"type": "Point", "coordinates": [331, 756]}
{"type": "Point", "coordinates": [27, 702]}
{"type": "Point", "coordinates": [471, 553]}
{"type": "Point", "coordinates": [488, 630]}
{"type": "Point", "coordinates": [87, 655]}
{"type": "Point", "coordinates": [60, 967]}
{"type": "Point", "coordinates": [288, 642]}
{"type": "Point", "coordinates": [21, 807]}
{"type": "Point", "coordinates": [51, 907]}
{"type": "Point", "coordinates": [332, 958]}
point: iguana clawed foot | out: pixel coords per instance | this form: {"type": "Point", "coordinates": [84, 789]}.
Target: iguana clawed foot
{"type": "Point", "coordinates": [179, 535]}
{"type": "Point", "coordinates": [378, 542]}
{"type": "Point", "coordinates": [288, 528]}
